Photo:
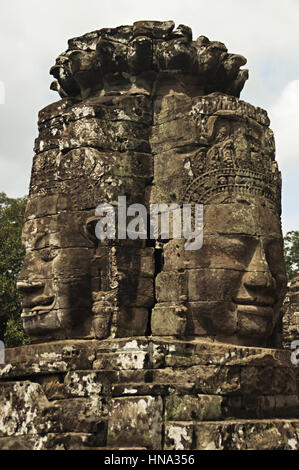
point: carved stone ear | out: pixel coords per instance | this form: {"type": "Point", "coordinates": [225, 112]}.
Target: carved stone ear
{"type": "Point", "coordinates": [89, 229]}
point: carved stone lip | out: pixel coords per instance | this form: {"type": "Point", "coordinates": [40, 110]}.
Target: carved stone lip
{"type": "Point", "coordinates": [261, 305]}
{"type": "Point", "coordinates": [45, 304]}
{"type": "Point", "coordinates": [259, 301]}
{"type": "Point", "coordinates": [254, 309]}
{"type": "Point", "coordinates": [26, 286]}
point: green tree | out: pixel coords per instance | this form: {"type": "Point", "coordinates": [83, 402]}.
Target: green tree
{"type": "Point", "coordinates": [291, 252]}
{"type": "Point", "coordinates": [11, 258]}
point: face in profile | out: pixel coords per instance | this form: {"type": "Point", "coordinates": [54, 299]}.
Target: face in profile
{"type": "Point", "coordinates": [55, 278]}
{"type": "Point", "coordinates": [236, 282]}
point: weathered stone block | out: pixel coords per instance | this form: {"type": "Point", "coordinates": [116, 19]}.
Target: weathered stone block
{"type": "Point", "coordinates": [138, 261]}
{"type": "Point", "coordinates": [267, 380]}
{"type": "Point", "coordinates": [203, 283]}
{"type": "Point", "coordinates": [198, 407]}
{"type": "Point", "coordinates": [206, 317]}
{"type": "Point", "coordinates": [176, 133]}
{"type": "Point", "coordinates": [48, 358]}
{"type": "Point", "coordinates": [131, 321]}
{"type": "Point", "coordinates": [169, 320]}
{"type": "Point", "coordinates": [101, 323]}
{"type": "Point", "coordinates": [247, 435]}
{"type": "Point", "coordinates": [83, 383]}
{"type": "Point", "coordinates": [171, 287]}
{"type": "Point", "coordinates": [154, 29]}
{"type": "Point", "coordinates": [80, 415]}
{"type": "Point", "coordinates": [178, 436]}
{"type": "Point", "coordinates": [137, 291]}
{"type": "Point", "coordinates": [123, 360]}
{"type": "Point", "coordinates": [22, 407]}
{"type": "Point", "coordinates": [53, 386]}
{"type": "Point", "coordinates": [137, 420]}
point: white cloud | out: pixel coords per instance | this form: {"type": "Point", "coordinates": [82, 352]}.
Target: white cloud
{"type": "Point", "coordinates": [284, 115]}
{"type": "Point", "coordinates": [2, 93]}
{"type": "Point", "coordinates": [14, 171]}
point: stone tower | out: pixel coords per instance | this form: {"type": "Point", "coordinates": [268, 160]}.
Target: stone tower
{"type": "Point", "coordinates": [141, 343]}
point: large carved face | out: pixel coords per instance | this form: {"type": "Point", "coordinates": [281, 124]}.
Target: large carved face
{"type": "Point", "coordinates": [221, 154]}
{"type": "Point", "coordinates": [235, 284]}
{"type": "Point", "coordinates": [56, 276]}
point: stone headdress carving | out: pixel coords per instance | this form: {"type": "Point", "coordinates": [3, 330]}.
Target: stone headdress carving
{"type": "Point", "coordinates": [132, 57]}
{"type": "Point", "coordinates": [237, 155]}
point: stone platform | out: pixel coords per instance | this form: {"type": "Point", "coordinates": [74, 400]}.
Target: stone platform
{"type": "Point", "coordinates": [147, 393]}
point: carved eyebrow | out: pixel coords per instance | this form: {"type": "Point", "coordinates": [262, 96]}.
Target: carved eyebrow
{"type": "Point", "coordinates": [241, 237]}
{"type": "Point", "coordinates": [41, 237]}
{"type": "Point", "coordinates": [89, 228]}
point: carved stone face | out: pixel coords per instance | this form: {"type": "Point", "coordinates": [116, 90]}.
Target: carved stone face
{"type": "Point", "coordinates": [235, 284]}
{"type": "Point", "coordinates": [56, 278]}
{"type": "Point", "coordinates": [232, 288]}
{"type": "Point", "coordinates": [154, 116]}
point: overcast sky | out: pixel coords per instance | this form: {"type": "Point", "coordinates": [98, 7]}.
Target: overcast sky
{"type": "Point", "coordinates": [34, 32]}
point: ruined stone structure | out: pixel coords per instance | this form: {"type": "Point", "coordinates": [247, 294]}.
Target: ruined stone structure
{"type": "Point", "coordinates": [141, 343]}
{"type": "Point", "coordinates": [290, 318]}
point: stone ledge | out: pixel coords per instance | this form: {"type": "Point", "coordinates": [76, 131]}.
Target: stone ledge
{"type": "Point", "coordinates": [233, 435]}
{"type": "Point", "coordinates": [107, 389]}
{"type": "Point", "coordinates": [49, 441]}
{"type": "Point", "coordinates": [48, 358]}
{"type": "Point", "coordinates": [207, 352]}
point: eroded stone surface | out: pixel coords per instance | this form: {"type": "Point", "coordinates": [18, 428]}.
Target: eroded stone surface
{"type": "Point", "coordinates": [149, 393]}
{"type": "Point", "coordinates": [290, 317]}
{"type": "Point", "coordinates": [247, 435]}
{"type": "Point", "coordinates": [150, 114]}
{"type": "Point", "coordinates": [142, 343]}
{"type": "Point", "coordinates": [136, 419]}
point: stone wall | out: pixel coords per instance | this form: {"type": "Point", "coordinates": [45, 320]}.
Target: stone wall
{"type": "Point", "coordinates": [147, 393]}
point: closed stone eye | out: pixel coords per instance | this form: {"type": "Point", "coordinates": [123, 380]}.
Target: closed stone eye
{"type": "Point", "coordinates": [48, 254]}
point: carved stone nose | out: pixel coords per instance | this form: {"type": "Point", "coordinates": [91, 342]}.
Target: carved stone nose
{"type": "Point", "coordinates": [259, 261]}
{"type": "Point", "coordinates": [258, 285]}
{"type": "Point", "coordinates": [259, 279]}
{"type": "Point", "coordinates": [258, 273]}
